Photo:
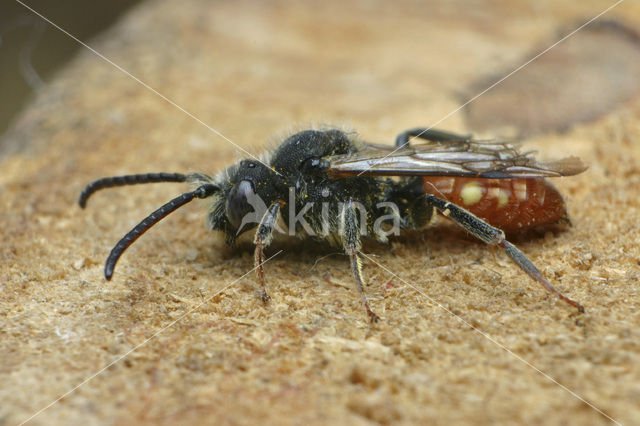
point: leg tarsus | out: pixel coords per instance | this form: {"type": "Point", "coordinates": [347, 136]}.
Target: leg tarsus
{"type": "Point", "coordinates": [262, 239]}
{"type": "Point", "coordinates": [495, 237]}
{"type": "Point", "coordinates": [357, 274]}
{"type": "Point", "coordinates": [351, 243]}
{"type": "Point", "coordinates": [259, 259]}
{"type": "Point", "coordinates": [527, 266]}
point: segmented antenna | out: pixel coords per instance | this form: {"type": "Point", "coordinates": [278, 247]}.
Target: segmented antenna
{"type": "Point", "coordinates": [203, 191]}
{"type": "Point", "coordinates": [110, 182]}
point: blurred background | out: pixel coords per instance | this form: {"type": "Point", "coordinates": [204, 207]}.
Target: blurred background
{"type": "Point", "coordinates": [31, 50]}
{"type": "Point", "coordinates": [447, 54]}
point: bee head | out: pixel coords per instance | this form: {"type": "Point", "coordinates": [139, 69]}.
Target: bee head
{"type": "Point", "coordinates": [240, 202]}
{"type": "Point", "coordinates": [249, 188]}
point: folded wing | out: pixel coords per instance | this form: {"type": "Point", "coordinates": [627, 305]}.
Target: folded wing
{"type": "Point", "coordinates": [451, 158]}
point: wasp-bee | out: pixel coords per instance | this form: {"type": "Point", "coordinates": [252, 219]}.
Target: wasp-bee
{"type": "Point", "coordinates": [329, 184]}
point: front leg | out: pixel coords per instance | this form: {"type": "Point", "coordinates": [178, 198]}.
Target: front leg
{"type": "Point", "coordinates": [352, 245]}
{"type": "Point", "coordinates": [494, 236]}
{"type": "Point", "coordinates": [262, 239]}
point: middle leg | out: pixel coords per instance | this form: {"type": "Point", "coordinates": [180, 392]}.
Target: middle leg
{"type": "Point", "coordinates": [352, 245]}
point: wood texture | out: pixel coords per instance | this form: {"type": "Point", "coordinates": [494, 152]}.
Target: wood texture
{"type": "Point", "coordinates": [253, 70]}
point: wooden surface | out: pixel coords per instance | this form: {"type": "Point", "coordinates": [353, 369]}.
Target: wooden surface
{"type": "Point", "coordinates": [255, 71]}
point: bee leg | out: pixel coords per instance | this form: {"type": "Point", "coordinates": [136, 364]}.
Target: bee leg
{"type": "Point", "coordinates": [429, 134]}
{"type": "Point", "coordinates": [352, 245]}
{"type": "Point", "coordinates": [262, 239]}
{"type": "Point", "coordinates": [495, 237]}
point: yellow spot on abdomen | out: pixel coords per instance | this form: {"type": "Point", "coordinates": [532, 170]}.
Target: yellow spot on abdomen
{"type": "Point", "coordinates": [503, 198]}
{"type": "Point", "coordinates": [499, 194]}
{"type": "Point", "coordinates": [471, 193]}
{"type": "Point", "coordinates": [520, 189]}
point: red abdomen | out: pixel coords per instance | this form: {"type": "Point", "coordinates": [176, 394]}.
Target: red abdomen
{"type": "Point", "coordinates": [513, 205]}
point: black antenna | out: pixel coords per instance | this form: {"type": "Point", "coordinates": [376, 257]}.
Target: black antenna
{"type": "Point", "coordinates": [110, 182]}
{"type": "Point", "coordinates": [203, 191]}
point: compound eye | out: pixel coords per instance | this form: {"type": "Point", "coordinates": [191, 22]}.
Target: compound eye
{"type": "Point", "coordinates": [237, 204]}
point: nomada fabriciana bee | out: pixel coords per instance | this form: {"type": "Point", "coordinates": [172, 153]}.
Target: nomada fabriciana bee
{"type": "Point", "coordinates": [330, 185]}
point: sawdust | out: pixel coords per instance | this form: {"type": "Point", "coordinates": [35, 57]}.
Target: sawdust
{"type": "Point", "coordinates": [205, 352]}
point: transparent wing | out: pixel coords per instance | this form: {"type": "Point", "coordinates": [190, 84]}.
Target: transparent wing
{"type": "Point", "coordinates": [451, 158]}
